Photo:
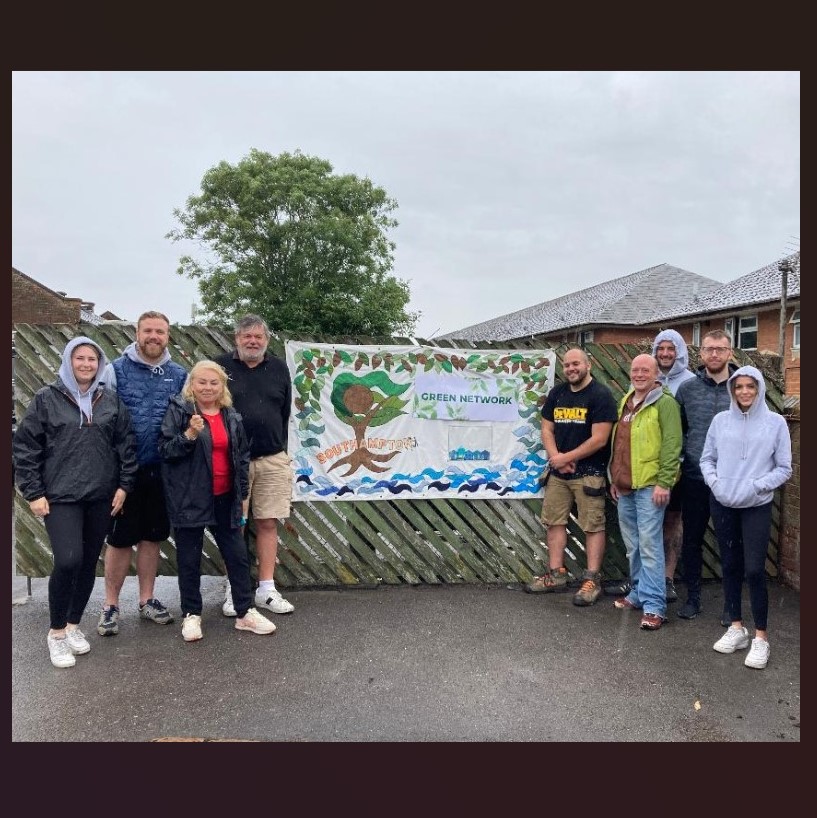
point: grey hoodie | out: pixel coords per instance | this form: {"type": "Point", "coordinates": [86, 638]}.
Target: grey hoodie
{"type": "Point", "coordinates": [132, 351]}
{"type": "Point", "coordinates": [66, 375]}
{"type": "Point", "coordinates": [747, 455]}
{"type": "Point", "coordinates": [679, 372]}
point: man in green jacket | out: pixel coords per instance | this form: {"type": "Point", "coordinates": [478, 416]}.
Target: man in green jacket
{"type": "Point", "coordinates": [644, 466]}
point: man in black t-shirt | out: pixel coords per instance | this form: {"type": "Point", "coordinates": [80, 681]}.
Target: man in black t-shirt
{"type": "Point", "coordinates": [262, 395]}
{"type": "Point", "coordinates": [577, 419]}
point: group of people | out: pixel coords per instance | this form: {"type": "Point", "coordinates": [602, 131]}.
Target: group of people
{"type": "Point", "coordinates": [127, 450]}
{"type": "Point", "coordinates": [131, 449]}
{"type": "Point", "coordinates": [679, 448]}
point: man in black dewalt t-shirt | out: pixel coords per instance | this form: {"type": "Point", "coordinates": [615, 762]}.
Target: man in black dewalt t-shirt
{"type": "Point", "coordinates": [262, 395]}
{"type": "Point", "coordinates": [577, 419]}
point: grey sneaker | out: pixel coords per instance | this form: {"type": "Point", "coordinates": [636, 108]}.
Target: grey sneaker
{"type": "Point", "coordinates": [77, 641]}
{"type": "Point", "coordinates": [590, 589]}
{"type": "Point", "coordinates": [108, 624]}
{"type": "Point", "coordinates": [156, 612]}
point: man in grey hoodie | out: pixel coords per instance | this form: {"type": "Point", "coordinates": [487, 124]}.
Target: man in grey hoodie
{"type": "Point", "coordinates": [145, 379]}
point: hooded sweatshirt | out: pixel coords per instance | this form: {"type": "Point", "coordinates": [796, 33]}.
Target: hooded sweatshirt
{"type": "Point", "coordinates": [747, 455]}
{"type": "Point", "coordinates": [74, 448]}
{"type": "Point", "coordinates": [679, 372]}
{"type": "Point", "coordinates": [66, 375]}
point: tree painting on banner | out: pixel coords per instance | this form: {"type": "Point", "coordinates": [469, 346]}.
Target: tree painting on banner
{"type": "Point", "coordinates": [414, 422]}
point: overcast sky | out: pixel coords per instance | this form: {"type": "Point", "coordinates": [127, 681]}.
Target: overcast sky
{"type": "Point", "coordinates": [512, 188]}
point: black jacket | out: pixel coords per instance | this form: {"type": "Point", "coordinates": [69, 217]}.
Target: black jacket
{"type": "Point", "coordinates": [57, 458]}
{"type": "Point", "coordinates": [187, 468]}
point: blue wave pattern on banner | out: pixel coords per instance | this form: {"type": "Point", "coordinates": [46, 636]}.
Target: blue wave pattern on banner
{"type": "Point", "coordinates": [520, 477]}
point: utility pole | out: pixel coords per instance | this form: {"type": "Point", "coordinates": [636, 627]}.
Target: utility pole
{"type": "Point", "coordinates": [784, 265]}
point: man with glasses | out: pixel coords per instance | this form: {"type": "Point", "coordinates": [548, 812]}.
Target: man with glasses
{"type": "Point", "coordinates": [701, 398]}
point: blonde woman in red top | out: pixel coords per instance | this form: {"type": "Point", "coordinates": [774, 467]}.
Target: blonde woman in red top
{"type": "Point", "coordinates": [206, 476]}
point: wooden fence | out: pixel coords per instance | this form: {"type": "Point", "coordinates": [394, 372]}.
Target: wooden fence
{"type": "Point", "coordinates": [369, 543]}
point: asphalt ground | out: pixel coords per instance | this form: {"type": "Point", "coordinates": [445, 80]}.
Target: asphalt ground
{"type": "Point", "coordinates": [460, 663]}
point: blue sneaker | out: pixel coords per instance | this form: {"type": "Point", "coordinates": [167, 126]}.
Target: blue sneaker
{"type": "Point", "coordinates": [108, 624]}
{"type": "Point", "coordinates": [156, 612]}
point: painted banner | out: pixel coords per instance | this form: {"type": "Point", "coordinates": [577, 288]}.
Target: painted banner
{"type": "Point", "coordinates": [414, 422]}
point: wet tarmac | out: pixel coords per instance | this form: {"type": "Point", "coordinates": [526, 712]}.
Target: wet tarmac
{"type": "Point", "coordinates": [458, 663]}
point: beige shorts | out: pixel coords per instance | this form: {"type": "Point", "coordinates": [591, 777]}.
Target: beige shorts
{"type": "Point", "coordinates": [271, 480]}
{"type": "Point", "coordinates": [560, 495]}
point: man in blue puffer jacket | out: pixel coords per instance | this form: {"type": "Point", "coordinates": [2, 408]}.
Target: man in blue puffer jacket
{"type": "Point", "coordinates": [146, 379]}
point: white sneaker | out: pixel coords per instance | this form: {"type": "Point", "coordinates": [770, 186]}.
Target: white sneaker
{"type": "Point", "coordinates": [60, 652]}
{"type": "Point", "coordinates": [228, 609]}
{"type": "Point", "coordinates": [758, 656]}
{"type": "Point", "coordinates": [191, 628]}
{"type": "Point", "coordinates": [77, 641]}
{"type": "Point", "coordinates": [734, 639]}
{"type": "Point", "coordinates": [273, 601]}
{"type": "Point", "coordinates": [255, 622]}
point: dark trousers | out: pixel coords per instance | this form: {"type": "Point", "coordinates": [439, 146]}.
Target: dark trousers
{"type": "Point", "coordinates": [743, 537]}
{"type": "Point", "coordinates": [189, 546]}
{"type": "Point", "coordinates": [77, 532]}
{"type": "Point", "coordinates": [695, 516]}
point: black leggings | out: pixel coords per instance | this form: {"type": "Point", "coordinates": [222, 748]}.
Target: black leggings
{"type": "Point", "coordinates": [743, 537]}
{"type": "Point", "coordinates": [77, 532]}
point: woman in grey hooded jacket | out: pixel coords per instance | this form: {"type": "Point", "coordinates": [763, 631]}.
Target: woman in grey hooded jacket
{"type": "Point", "coordinates": [75, 461]}
{"type": "Point", "coordinates": [746, 456]}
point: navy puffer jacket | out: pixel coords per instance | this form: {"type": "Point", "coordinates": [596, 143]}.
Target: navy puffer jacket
{"type": "Point", "coordinates": [146, 391]}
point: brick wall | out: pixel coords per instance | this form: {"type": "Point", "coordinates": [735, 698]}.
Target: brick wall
{"type": "Point", "coordinates": [32, 303]}
{"type": "Point", "coordinates": [767, 338]}
{"type": "Point", "coordinates": [789, 549]}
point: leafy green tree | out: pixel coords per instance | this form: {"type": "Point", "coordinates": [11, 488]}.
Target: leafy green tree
{"type": "Point", "coordinates": [306, 249]}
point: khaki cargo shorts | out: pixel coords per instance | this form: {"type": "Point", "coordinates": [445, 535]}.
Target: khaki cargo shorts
{"type": "Point", "coordinates": [561, 494]}
{"type": "Point", "coordinates": [271, 480]}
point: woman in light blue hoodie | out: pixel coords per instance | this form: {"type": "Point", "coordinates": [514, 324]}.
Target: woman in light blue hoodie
{"type": "Point", "coordinates": [746, 456]}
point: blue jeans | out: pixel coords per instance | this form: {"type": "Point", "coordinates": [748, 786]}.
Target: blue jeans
{"type": "Point", "coordinates": [641, 522]}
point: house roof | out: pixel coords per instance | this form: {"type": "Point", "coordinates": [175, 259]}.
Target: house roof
{"type": "Point", "coordinates": [86, 312]}
{"type": "Point", "coordinates": [610, 302]}
{"type": "Point", "coordinates": [91, 317]}
{"type": "Point", "coordinates": [759, 287]}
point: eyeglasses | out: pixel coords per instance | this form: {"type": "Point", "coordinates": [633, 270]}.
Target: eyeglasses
{"type": "Point", "coordinates": [715, 350]}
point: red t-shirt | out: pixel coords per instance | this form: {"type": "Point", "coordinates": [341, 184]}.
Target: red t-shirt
{"type": "Point", "coordinates": [222, 479]}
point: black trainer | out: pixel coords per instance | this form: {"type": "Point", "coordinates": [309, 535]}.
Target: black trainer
{"type": "Point", "coordinates": [671, 593]}
{"type": "Point", "coordinates": [620, 587]}
{"type": "Point", "coordinates": [690, 609]}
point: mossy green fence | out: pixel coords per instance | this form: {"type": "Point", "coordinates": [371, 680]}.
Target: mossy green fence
{"type": "Point", "coordinates": [369, 543]}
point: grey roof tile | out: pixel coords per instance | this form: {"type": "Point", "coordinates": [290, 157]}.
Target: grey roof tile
{"type": "Point", "coordinates": [610, 302]}
{"type": "Point", "coordinates": [759, 287]}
